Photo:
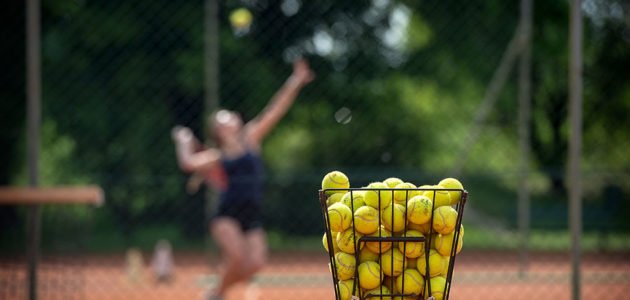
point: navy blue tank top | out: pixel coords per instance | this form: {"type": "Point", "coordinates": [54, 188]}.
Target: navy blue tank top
{"type": "Point", "coordinates": [245, 176]}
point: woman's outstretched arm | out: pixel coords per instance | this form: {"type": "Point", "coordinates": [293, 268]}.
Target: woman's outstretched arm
{"type": "Point", "coordinates": [258, 128]}
{"type": "Point", "coordinates": [188, 158]}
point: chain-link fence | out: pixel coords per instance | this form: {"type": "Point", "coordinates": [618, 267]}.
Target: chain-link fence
{"type": "Point", "coordinates": [418, 90]}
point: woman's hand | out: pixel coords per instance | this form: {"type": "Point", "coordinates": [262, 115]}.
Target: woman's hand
{"type": "Point", "coordinates": [181, 134]}
{"type": "Point", "coordinates": [302, 73]}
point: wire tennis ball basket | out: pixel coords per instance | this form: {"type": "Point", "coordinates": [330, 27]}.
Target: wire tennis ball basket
{"type": "Point", "coordinates": [393, 281]}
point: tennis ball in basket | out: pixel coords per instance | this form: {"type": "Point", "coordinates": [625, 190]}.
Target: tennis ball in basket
{"type": "Point", "coordinates": [392, 182]}
{"type": "Point", "coordinates": [339, 217]}
{"type": "Point", "coordinates": [379, 199]}
{"type": "Point", "coordinates": [438, 285]}
{"type": "Point", "coordinates": [412, 249]}
{"type": "Point", "coordinates": [392, 262]}
{"type": "Point", "coordinates": [419, 210]}
{"type": "Point", "coordinates": [334, 242]}
{"type": "Point", "coordinates": [452, 183]}
{"type": "Point", "coordinates": [379, 246]}
{"type": "Point", "coordinates": [334, 198]}
{"type": "Point", "coordinates": [380, 290]}
{"type": "Point", "coordinates": [355, 202]}
{"type": "Point", "coordinates": [439, 197]}
{"type": "Point", "coordinates": [401, 197]}
{"type": "Point", "coordinates": [347, 239]}
{"type": "Point", "coordinates": [444, 242]}
{"type": "Point", "coordinates": [345, 264]}
{"type": "Point", "coordinates": [370, 275]}
{"type": "Point", "coordinates": [335, 180]}
{"type": "Point", "coordinates": [366, 220]}
{"type": "Point", "coordinates": [393, 217]}
{"type": "Point", "coordinates": [414, 282]}
{"type": "Point", "coordinates": [365, 254]}
{"type": "Point", "coordinates": [422, 228]}
{"type": "Point", "coordinates": [345, 289]}
{"type": "Point", "coordinates": [444, 219]}
{"type": "Point", "coordinates": [436, 264]}
{"type": "Point", "coordinates": [447, 261]}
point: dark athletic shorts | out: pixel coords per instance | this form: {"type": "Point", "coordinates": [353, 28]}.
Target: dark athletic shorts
{"type": "Point", "coordinates": [247, 213]}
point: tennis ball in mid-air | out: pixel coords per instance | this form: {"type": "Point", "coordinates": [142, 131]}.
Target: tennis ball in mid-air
{"type": "Point", "coordinates": [402, 196]}
{"type": "Point", "coordinates": [379, 246]}
{"type": "Point", "coordinates": [452, 183]}
{"type": "Point", "coordinates": [444, 219]}
{"type": "Point", "coordinates": [335, 180]}
{"type": "Point", "coordinates": [380, 292]}
{"type": "Point", "coordinates": [412, 249]}
{"type": "Point", "coordinates": [339, 217]}
{"type": "Point", "coordinates": [334, 242]}
{"type": "Point", "coordinates": [392, 182]}
{"type": "Point", "coordinates": [392, 262]}
{"type": "Point", "coordinates": [241, 18]}
{"type": "Point", "coordinates": [366, 220]}
{"type": "Point", "coordinates": [393, 217]}
{"type": "Point", "coordinates": [345, 264]}
{"type": "Point", "coordinates": [444, 242]}
{"type": "Point", "coordinates": [379, 199]}
{"type": "Point", "coordinates": [353, 199]}
{"type": "Point", "coordinates": [345, 289]}
{"type": "Point", "coordinates": [438, 196]}
{"type": "Point", "coordinates": [438, 285]}
{"type": "Point", "coordinates": [348, 239]}
{"type": "Point", "coordinates": [413, 282]}
{"type": "Point", "coordinates": [419, 210]}
{"type": "Point", "coordinates": [334, 198]}
{"type": "Point", "coordinates": [370, 275]}
{"type": "Point", "coordinates": [436, 264]}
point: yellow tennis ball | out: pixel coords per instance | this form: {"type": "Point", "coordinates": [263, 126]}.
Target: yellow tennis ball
{"type": "Point", "coordinates": [334, 198]}
{"type": "Point", "coordinates": [379, 246]}
{"type": "Point", "coordinates": [436, 264]}
{"type": "Point", "coordinates": [353, 199]}
{"type": "Point", "coordinates": [370, 275]}
{"type": "Point", "coordinates": [438, 286]}
{"type": "Point", "coordinates": [345, 264]}
{"type": "Point", "coordinates": [444, 219]}
{"type": "Point", "coordinates": [345, 289]}
{"type": "Point", "coordinates": [380, 292]}
{"type": "Point", "coordinates": [444, 242]}
{"type": "Point", "coordinates": [413, 282]}
{"type": "Point", "coordinates": [392, 182]}
{"type": "Point", "coordinates": [452, 183]}
{"type": "Point", "coordinates": [392, 262]}
{"type": "Point", "coordinates": [438, 197]}
{"type": "Point", "coordinates": [402, 196]}
{"type": "Point", "coordinates": [339, 217]}
{"type": "Point", "coordinates": [365, 254]}
{"type": "Point", "coordinates": [412, 249]}
{"type": "Point", "coordinates": [241, 18]}
{"type": "Point", "coordinates": [348, 239]}
{"type": "Point", "coordinates": [366, 220]}
{"type": "Point", "coordinates": [419, 210]}
{"type": "Point", "coordinates": [422, 228]}
{"type": "Point", "coordinates": [334, 242]}
{"type": "Point", "coordinates": [393, 218]}
{"type": "Point", "coordinates": [335, 180]}
{"type": "Point", "coordinates": [379, 199]}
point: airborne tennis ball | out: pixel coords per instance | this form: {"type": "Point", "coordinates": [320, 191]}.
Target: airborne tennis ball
{"type": "Point", "coordinates": [241, 18]}
{"type": "Point", "coordinates": [335, 180]}
{"type": "Point", "coordinates": [339, 217]}
{"type": "Point", "coordinates": [366, 220]}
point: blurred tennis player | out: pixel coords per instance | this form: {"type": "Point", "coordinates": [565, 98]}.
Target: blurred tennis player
{"type": "Point", "coordinates": [235, 168]}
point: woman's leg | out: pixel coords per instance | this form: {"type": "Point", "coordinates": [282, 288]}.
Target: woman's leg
{"type": "Point", "coordinates": [256, 240]}
{"type": "Point", "coordinates": [230, 238]}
